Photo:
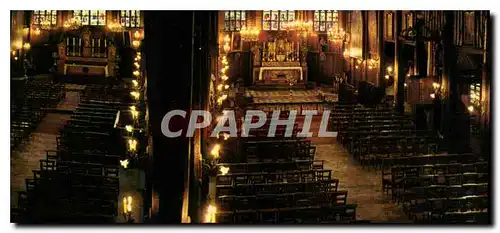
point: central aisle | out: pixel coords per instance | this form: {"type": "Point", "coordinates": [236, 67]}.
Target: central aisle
{"type": "Point", "coordinates": [364, 186]}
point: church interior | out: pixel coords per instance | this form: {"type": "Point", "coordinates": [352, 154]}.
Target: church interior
{"type": "Point", "coordinates": [407, 92]}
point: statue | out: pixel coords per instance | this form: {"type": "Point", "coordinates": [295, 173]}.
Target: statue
{"type": "Point", "coordinates": [256, 55]}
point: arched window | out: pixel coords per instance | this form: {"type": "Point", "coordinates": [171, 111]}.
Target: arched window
{"type": "Point", "coordinates": [90, 17]}
{"type": "Point", "coordinates": [130, 18]}
{"type": "Point", "coordinates": [325, 19]}
{"type": "Point", "coordinates": [45, 16]}
{"type": "Point", "coordinates": [234, 20]}
{"type": "Point", "coordinates": [277, 20]}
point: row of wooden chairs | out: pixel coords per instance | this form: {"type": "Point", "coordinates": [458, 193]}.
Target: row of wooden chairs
{"type": "Point", "coordinates": [81, 179]}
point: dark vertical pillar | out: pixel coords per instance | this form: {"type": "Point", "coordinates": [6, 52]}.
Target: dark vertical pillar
{"type": "Point", "coordinates": [456, 127]}
{"type": "Point", "coordinates": [399, 73]}
{"type": "Point", "coordinates": [168, 53]}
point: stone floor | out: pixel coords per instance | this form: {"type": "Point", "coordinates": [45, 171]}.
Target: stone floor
{"type": "Point", "coordinates": [364, 186]}
{"type": "Point", "coordinates": [33, 149]}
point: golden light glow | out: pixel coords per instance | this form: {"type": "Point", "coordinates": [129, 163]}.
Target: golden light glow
{"type": "Point", "coordinates": [27, 46]}
{"type": "Point", "coordinates": [15, 58]}
{"type": "Point", "coordinates": [227, 39]}
{"type": "Point", "coordinates": [219, 87]}
{"type": "Point", "coordinates": [136, 73]}
{"type": "Point", "coordinates": [408, 75]}
{"type": "Point", "coordinates": [357, 67]}
{"type": "Point", "coordinates": [115, 27]}
{"type": "Point", "coordinates": [127, 204]}
{"type": "Point", "coordinates": [135, 83]}
{"type": "Point", "coordinates": [249, 34]}
{"type": "Point", "coordinates": [471, 108]}
{"type": "Point", "coordinates": [215, 151]}
{"type": "Point", "coordinates": [226, 136]}
{"type": "Point", "coordinates": [435, 85]}
{"type": "Point", "coordinates": [134, 112]}
{"type": "Point", "coordinates": [224, 77]}
{"type": "Point", "coordinates": [124, 163]}
{"type": "Point", "coordinates": [135, 94]}
{"type": "Point", "coordinates": [223, 170]}
{"type": "Point", "coordinates": [226, 48]}
{"type": "Point", "coordinates": [37, 31]}
{"type": "Point", "coordinates": [389, 69]}
{"type": "Point", "coordinates": [129, 128]}
{"type": "Point", "coordinates": [137, 65]}
{"type": "Point", "coordinates": [13, 52]}
{"type": "Point", "coordinates": [210, 214]}
{"type": "Point", "coordinates": [224, 97]}
{"type": "Point", "coordinates": [433, 95]}
{"type": "Point", "coordinates": [370, 67]}
{"type": "Point", "coordinates": [124, 205]}
{"type": "Point", "coordinates": [226, 86]}
{"type": "Point", "coordinates": [405, 85]}
{"type": "Point", "coordinates": [132, 145]}
{"type": "Point", "coordinates": [136, 43]}
{"type": "Point", "coordinates": [17, 44]}
{"type": "Point", "coordinates": [386, 76]}
{"type": "Point", "coordinates": [137, 35]}
{"type": "Point", "coordinates": [359, 61]}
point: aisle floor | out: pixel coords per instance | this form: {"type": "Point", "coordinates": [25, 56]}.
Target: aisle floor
{"type": "Point", "coordinates": [364, 186]}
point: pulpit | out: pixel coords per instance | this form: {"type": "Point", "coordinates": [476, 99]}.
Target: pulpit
{"type": "Point", "coordinates": [279, 63]}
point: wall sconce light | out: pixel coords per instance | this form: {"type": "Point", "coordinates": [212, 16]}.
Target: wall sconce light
{"type": "Point", "coordinates": [433, 95]}
{"type": "Point", "coordinates": [135, 94]}
{"type": "Point", "coordinates": [132, 145]}
{"type": "Point", "coordinates": [215, 151]}
{"type": "Point", "coordinates": [137, 35]}
{"type": "Point", "coordinates": [387, 76]}
{"type": "Point", "coordinates": [124, 163]}
{"type": "Point", "coordinates": [127, 204]}
{"type": "Point", "coordinates": [435, 85]}
{"type": "Point", "coordinates": [26, 46]}
{"type": "Point", "coordinates": [471, 108]}
{"type": "Point", "coordinates": [223, 170]}
{"type": "Point", "coordinates": [210, 214]}
{"type": "Point", "coordinates": [389, 69]}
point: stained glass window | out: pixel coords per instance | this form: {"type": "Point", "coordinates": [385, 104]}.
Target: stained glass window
{"type": "Point", "coordinates": [44, 16]}
{"type": "Point", "coordinates": [276, 20]}
{"type": "Point", "coordinates": [130, 18]}
{"type": "Point", "coordinates": [234, 20]}
{"type": "Point", "coordinates": [90, 17]}
{"type": "Point", "coordinates": [324, 20]}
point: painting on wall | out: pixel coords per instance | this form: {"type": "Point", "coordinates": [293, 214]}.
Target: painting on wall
{"type": "Point", "coordinates": [236, 42]}
{"type": "Point", "coordinates": [356, 34]}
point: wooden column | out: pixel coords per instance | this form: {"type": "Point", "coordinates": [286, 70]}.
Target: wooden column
{"type": "Point", "coordinates": [399, 74]}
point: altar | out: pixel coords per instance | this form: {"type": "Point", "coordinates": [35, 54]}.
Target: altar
{"type": "Point", "coordinates": [279, 63]}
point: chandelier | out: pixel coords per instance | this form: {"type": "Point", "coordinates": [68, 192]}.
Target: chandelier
{"type": "Point", "coordinates": [115, 27]}
{"type": "Point", "coordinates": [45, 25]}
{"type": "Point", "coordinates": [302, 27]}
{"type": "Point", "coordinates": [249, 34]}
{"type": "Point", "coordinates": [336, 33]}
{"type": "Point", "coordinates": [72, 24]}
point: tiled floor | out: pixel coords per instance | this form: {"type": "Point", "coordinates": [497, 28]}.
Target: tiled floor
{"type": "Point", "coordinates": [364, 186]}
